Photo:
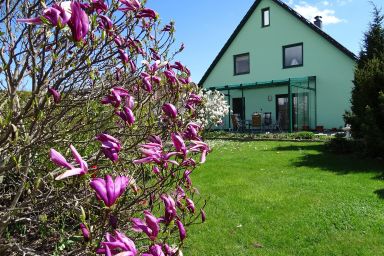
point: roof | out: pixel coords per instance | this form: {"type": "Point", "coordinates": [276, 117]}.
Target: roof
{"type": "Point", "coordinates": [294, 13]}
{"type": "Point", "coordinates": [273, 83]}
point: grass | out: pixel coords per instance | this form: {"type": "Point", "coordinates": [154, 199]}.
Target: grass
{"type": "Point", "coordinates": [288, 198]}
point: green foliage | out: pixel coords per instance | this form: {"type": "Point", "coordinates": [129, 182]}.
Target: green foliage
{"type": "Point", "coordinates": [303, 135]}
{"type": "Point", "coordinates": [288, 198]}
{"type": "Point", "coordinates": [344, 146]}
{"type": "Point", "coordinates": [367, 115]}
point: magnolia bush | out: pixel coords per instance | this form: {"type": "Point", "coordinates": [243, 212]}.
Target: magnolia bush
{"type": "Point", "coordinates": [99, 133]}
{"type": "Point", "coordinates": [213, 108]}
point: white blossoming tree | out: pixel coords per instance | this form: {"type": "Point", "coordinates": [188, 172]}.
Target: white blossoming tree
{"type": "Point", "coordinates": [214, 108]}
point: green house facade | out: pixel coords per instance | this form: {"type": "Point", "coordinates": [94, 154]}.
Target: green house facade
{"type": "Point", "coordinates": [278, 63]}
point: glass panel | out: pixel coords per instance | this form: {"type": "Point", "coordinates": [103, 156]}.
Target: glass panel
{"type": "Point", "coordinates": [293, 56]}
{"type": "Point", "coordinates": [242, 64]}
{"type": "Point", "coordinates": [266, 18]}
{"type": "Point", "coordinates": [304, 104]}
{"type": "Point", "coordinates": [283, 112]}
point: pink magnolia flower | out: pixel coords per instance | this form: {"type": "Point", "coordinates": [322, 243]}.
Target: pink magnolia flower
{"type": "Point", "coordinates": [187, 179]}
{"type": "Point", "coordinates": [192, 131]}
{"type": "Point", "coordinates": [119, 41]}
{"type": "Point", "coordinates": [127, 115]}
{"type": "Point", "coordinates": [155, 54]}
{"type": "Point", "coordinates": [179, 66]}
{"type": "Point", "coordinates": [110, 146]}
{"type": "Point", "coordinates": [116, 97]}
{"type": "Point", "coordinates": [199, 146]}
{"type": "Point", "coordinates": [155, 139]}
{"type": "Point", "coordinates": [119, 244]}
{"type": "Point", "coordinates": [132, 66]}
{"type": "Point", "coordinates": [170, 208]}
{"type": "Point", "coordinates": [56, 95]}
{"type": "Point", "coordinates": [179, 195]}
{"type": "Point", "coordinates": [136, 45]}
{"type": "Point", "coordinates": [169, 110]}
{"type": "Point", "coordinates": [57, 15]}
{"type": "Point", "coordinates": [79, 22]}
{"type": "Point", "coordinates": [146, 78]}
{"type": "Point", "coordinates": [153, 153]}
{"type": "Point", "coordinates": [156, 79]}
{"type": "Point", "coordinates": [152, 69]}
{"type": "Point", "coordinates": [99, 6]}
{"type": "Point", "coordinates": [203, 215]}
{"type": "Point", "coordinates": [188, 162]}
{"type": "Point", "coordinates": [150, 226]}
{"type": "Point", "coordinates": [185, 80]}
{"type": "Point", "coordinates": [171, 76]}
{"type": "Point", "coordinates": [170, 251]}
{"type": "Point", "coordinates": [169, 27]}
{"type": "Point", "coordinates": [156, 170]}
{"type": "Point", "coordinates": [59, 160]}
{"type": "Point", "coordinates": [190, 205]}
{"type": "Point", "coordinates": [130, 5]}
{"type": "Point", "coordinates": [182, 232]}
{"type": "Point", "coordinates": [179, 144]}
{"type": "Point", "coordinates": [147, 13]}
{"type": "Point", "coordinates": [105, 23]}
{"type": "Point", "coordinates": [123, 56]}
{"type": "Point", "coordinates": [85, 232]}
{"type": "Point", "coordinates": [193, 101]}
{"type": "Point", "coordinates": [155, 250]}
{"type": "Point", "coordinates": [109, 190]}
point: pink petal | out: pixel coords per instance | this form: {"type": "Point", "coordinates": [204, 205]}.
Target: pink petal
{"type": "Point", "coordinates": [71, 172]}
{"type": "Point", "coordinates": [58, 159]}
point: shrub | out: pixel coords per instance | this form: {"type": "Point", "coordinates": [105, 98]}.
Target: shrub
{"type": "Point", "coordinates": [303, 135]}
{"type": "Point", "coordinates": [367, 115]}
{"type": "Point", "coordinates": [344, 146]}
{"type": "Point", "coordinates": [97, 156]}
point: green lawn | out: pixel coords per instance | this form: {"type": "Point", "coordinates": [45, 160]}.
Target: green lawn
{"type": "Point", "coordinates": [288, 198]}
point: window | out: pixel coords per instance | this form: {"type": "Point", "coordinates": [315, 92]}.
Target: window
{"type": "Point", "coordinates": [241, 63]}
{"type": "Point", "coordinates": [265, 17]}
{"type": "Point", "coordinates": [293, 55]}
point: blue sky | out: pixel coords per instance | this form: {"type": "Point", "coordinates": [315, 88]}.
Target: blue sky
{"type": "Point", "coordinates": [205, 25]}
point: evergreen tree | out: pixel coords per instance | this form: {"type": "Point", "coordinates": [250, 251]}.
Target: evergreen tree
{"type": "Point", "coordinates": [367, 116]}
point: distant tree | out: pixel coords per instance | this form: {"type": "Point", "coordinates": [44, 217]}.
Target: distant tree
{"type": "Point", "coordinates": [367, 111]}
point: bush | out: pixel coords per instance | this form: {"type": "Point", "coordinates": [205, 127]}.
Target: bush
{"type": "Point", "coordinates": [367, 112]}
{"type": "Point", "coordinates": [221, 134]}
{"type": "Point", "coordinates": [97, 157]}
{"type": "Point", "coordinates": [345, 146]}
{"type": "Point", "coordinates": [303, 135]}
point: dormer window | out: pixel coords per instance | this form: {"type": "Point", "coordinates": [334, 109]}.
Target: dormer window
{"type": "Point", "coordinates": [241, 64]}
{"type": "Point", "coordinates": [265, 22]}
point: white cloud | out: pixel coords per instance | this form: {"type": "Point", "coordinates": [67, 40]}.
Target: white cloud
{"type": "Point", "coordinates": [311, 11]}
{"type": "Point", "coordinates": [325, 3]}
{"type": "Point", "coordinates": [343, 2]}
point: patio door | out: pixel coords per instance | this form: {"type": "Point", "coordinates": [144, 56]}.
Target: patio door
{"type": "Point", "coordinates": [282, 111]}
{"type": "Point", "coordinates": [299, 111]}
{"type": "Point", "coordinates": [238, 107]}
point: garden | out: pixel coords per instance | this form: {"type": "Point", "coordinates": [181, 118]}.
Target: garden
{"type": "Point", "coordinates": [288, 198]}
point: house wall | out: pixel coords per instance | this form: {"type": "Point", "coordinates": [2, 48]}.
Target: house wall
{"type": "Point", "coordinates": [333, 68]}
